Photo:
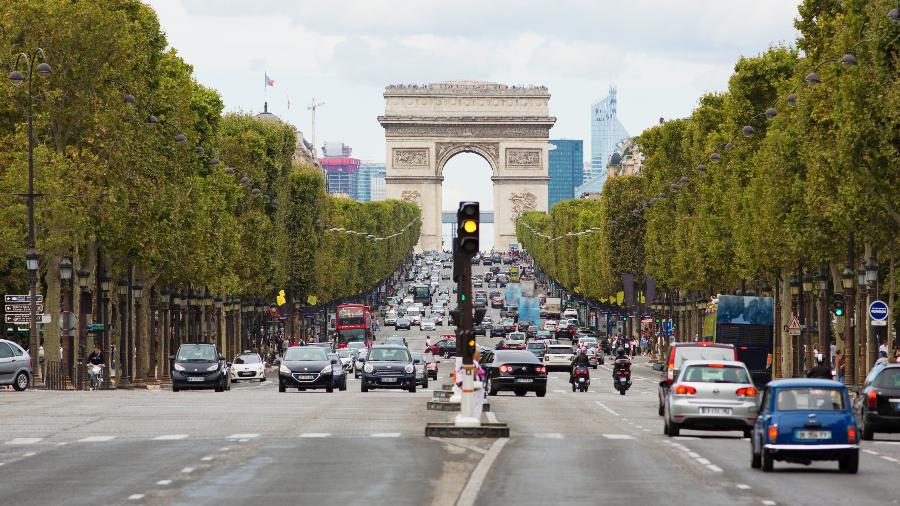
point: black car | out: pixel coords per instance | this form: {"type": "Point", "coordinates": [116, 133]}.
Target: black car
{"type": "Point", "coordinates": [307, 368]}
{"type": "Point", "coordinates": [479, 330]}
{"type": "Point", "coordinates": [403, 323]}
{"type": "Point", "coordinates": [388, 366]}
{"type": "Point", "coordinates": [199, 366]}
{"type": "Point", "coordinates": [339, 373]}
{"type": "Point", "coordinates": [878, 404]}
{"type": "Point", "coordinates": [517, 370]}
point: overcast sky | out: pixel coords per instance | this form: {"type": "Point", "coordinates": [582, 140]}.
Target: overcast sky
{"type": "Point", "coordinates": [661, 54]}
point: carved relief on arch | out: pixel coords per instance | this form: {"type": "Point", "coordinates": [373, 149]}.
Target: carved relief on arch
{"type": "Point", "coordinates": [413, 196]}
{"type": "Point", "coordinates": [410, 157]}
{"type": "Point", "coordinates": [521, 202]}
{"type": "Point", "coordinates": [490, 151]}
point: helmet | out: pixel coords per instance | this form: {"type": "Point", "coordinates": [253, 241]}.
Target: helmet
{"type": "Point", "coordinates": [620, 351]}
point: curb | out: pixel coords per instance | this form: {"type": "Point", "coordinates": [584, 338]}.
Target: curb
{"type": "Point", "coordinates": [448, 429]}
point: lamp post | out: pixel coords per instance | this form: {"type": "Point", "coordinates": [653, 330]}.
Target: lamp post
{"type": "Point", "coordinates": [123, 380]}
{"type": "Point", "coordinates": [849, 344]}
{"type": "Point", "coordinates": [871, 285]}
{"type": "Point", "coordinates": [137, 370]}
{"type": "Point", "coordinates": [19, 78]}
{"type": "Point", "coordinates": [65, 276]}
{"type": "Point", "coordinates": [824, 327]}
{"type": "Point", "coordinates": [164, 339]}
{"type": "Point", "coordinates": [808, 342]}
{"type": "Point", "coordinates": [795, 303]}
{"type": "Point", "coordinates": [862, 304]}
{"type": "Point", "coordinates": [105, 287]}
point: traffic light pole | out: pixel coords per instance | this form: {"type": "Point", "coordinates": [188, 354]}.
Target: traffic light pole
{"type": "Point", "coordinates": [464, 332]}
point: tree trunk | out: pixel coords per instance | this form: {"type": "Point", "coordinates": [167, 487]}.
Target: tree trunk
{"type": "Point", "coordinates": [787, 342]}
{"type": "Point", "coordinates": [890, 328]}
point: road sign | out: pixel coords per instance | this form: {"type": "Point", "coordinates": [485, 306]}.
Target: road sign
{"type": "Point", "coordinates": [96, 327]}
{"type": "Point", "coordinates": [794, 326]}
{"type": "Point", "coordinates": [67, 321]}
{"type": "Point", "coordinates": [21, 308]}
{"type": "Point", "coordinates": [21, 299]}
{"type": "Point", "coordinates": [24, 319]}
{"type": "Point", "coordinates": [878, 311]}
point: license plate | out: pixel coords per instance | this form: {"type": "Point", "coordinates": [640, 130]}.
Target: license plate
{"type": "Point", "coordinates": [715, 411]}
{"type": "Point", "coordinates": [622, 380]}
{"type": "Point", "coordinates": [195, 378]}
{"type": "Point", "coordinates": [813, 434]}
{"type": "Point", "coordinates": [388, 380]}
{"type": "Point", "coordinates": [306, 377]}
{"type": "Point", "coordinates": [524, 380]}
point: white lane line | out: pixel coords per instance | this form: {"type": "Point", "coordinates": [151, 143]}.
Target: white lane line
{"type": "Point", "coordinates": [24, 440]}
{"type": "Point", "coordinates": [1, 463]}
{"type": "Point", "coordinates": [170, 437]}
{"type": "Point", "coordinates": [492, 418]}
{"type": "Point", "coordinates": [887, 442]}
{"type": "Point", "coordinates": [606, 408]}
{"type": "Point", "coordinates": [187, 470]}
{"type": "Point", "coordinates": [714, 468]}
{"type": "Point", "coordinates": [559, 391]}
{"type": "Point", "coordinates": [548, 435]}
{"type": "Point", "coordinates": [315, 434]}
{"type": "Point", "coordinates": [96, 439]}
{"type": "Point", "coordinates": [870, 452]}
{"type": "Point", "coordinates": [768, 502]}
{"type": "Point", "coordinates": [703, 461]}
{"type": "Point", "coordinates": [476, 479]}
{"type": "Point", "coordinates": [61, 444]}
{"type": "Point", "coordinates": [207, 458]}
{"type": "Point", "coordinates": [30, 454]}
{"type": "Point", "coordinates": [164, 482]}
{"type": "Point", "coordinates": [743, 486]}
{"type": "Point", "coordinates": [889, 459]}
{"type": "Point", "coordinates": [385, 434]}
{"type": "Point", "coordinates": [694, 455]}
{"type": "Point", "coordinates": [242, 436]}
{"type": "Point", "coordinates": [224, 449]}
{"type": "Point", "coordinates": [646, 430]}
{"type": "Point", "coordinates": [135, 497]}
{"type": "Point", "coordinates": [617, 436]}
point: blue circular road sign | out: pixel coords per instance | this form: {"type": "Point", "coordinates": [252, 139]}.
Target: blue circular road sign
{"type": "Point", "coordinates": [878, 310]}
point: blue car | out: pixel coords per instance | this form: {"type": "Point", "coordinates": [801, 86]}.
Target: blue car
{"type": "Point", "coordinates": [802, 420]}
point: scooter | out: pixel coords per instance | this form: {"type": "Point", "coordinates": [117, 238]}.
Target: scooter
{"type": "Point", "coordinates": [581, 378]}
{"type": "Point", "coordinates": [622, 375]}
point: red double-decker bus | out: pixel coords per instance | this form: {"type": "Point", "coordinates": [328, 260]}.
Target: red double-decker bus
{"type": "Point", "coordinates": [353, 323]}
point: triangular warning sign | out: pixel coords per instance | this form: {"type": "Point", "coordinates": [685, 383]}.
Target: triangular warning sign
{"type": "Point", "coordinates": [795, 323]}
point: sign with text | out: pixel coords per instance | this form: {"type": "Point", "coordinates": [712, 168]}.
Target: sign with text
{"type": "Point", "coordinates": [21, 299]}
{"type": "Point", "coordinates": [24, 319]}
{"type": "Point", "coordinates": [21, 308]}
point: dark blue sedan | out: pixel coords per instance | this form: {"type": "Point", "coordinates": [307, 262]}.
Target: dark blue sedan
{"type": "Point", "coordinates": [802, 420]}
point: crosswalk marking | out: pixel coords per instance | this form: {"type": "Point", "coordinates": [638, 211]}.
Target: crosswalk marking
{"type": "Point", "coordinates": [207, 458]}
{"type": "Point", "coordinates": [242, 436]}
{"type": "Point", "coordinates": [24, 440]}
{"type": "Point", "coordinates": [385, 434]}
{"type": "Point", "coordinates": [703, 461]}
{"type": "Point", "coordinates": [96, 439]}
{"type": "Point", "coordinates": [135, 497]}
{"type": "Point", "coordinates": [187, 470]}
{"type": "Point", "coordinates": [164, 482]}
{"type": "Point", "coordinates": [170, 437]}
{"type": "Point", "coordinates": [617, 436]}
{"type": "Point", "coordinates": [315, 434]}
{"type": "Point", "coordinates": [743, 486]}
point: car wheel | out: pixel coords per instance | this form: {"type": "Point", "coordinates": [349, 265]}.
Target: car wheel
{"type": "Point", "coordinates": [174, 387]}
{"type": "Point", "coordinates": [281, 388]}
{"type": "Point", "coordinates": [21, 381]}
{"type": "Point", "coordinates": [541, 392]}
{"type": "Point", "coordinates": [262, 380]}
{"type": "Point", "coordinates": [489, 387]}
{"type": "Point", "coordinates": [768, 462]}
{"type": "Point", "coordinates": [755, 458]}
{"type": "Point", "coordinates": [867, 433]}
{"type": "Point", "coordinates": [219, 387]}
{"type": "Point", "coordinates": [521, 393]}
{"type": "Point", "coordinates": [329, 388]}
{"type": "Point", "coordinates": [425, 381]}
{"type": "Point", "coordinates": [849, 464]}
{"type": "Point", "coordinates": [233, 380]}
{"type": "Point", "coordinates": [748, 433]}
{"type": "Point", "coordinates": [412, 388]}
{"type": "Point", "coordinates": [363, 386]}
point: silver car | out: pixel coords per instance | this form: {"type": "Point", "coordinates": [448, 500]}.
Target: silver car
{"type": "Point", "coordinates": [15, 365]}
{"type": "Point", "coordinates": [711, 395]}
{"type": "Point", "coordinates": [419, 364]}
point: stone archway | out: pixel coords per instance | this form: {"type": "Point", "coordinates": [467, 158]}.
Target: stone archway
{"type": "Point", "coordinates": [509, 126]}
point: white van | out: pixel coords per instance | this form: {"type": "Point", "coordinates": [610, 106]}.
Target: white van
{"type": "Point", "coordinates": [570, 313]}
{"type": "Point", "coordinates": [414, 313]}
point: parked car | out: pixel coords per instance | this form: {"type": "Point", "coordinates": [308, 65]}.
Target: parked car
{"type": "Point", "coordinates": [679, 352]}
{"type": "Point", "coordinates": [199, 366]}
{"type": "Point", "coordinates": [388, 366]}
{"type": "Point", "coordinates": [516, 370]}
{"type": "Point", "coordinates": [307, 368]}
{"type": "Point", "coordinates": [801, 420]}
{"type": "Point", "coordinates": [15, 366]}
{"type": "Point", "coordinates": [878, 404]}
{"type": "Point", "coordinates": [247, 366]}
{"type": "Point", "coordinates": [711, 395]}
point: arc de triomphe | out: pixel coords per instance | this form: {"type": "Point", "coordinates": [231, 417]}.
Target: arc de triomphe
{"type": "Point", "coordinates": [509, 126]}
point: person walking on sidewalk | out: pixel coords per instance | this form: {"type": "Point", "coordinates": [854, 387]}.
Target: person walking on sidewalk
{"type": "Point", "coordinates": [839, 365]}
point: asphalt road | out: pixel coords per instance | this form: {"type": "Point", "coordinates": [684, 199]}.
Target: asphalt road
{"type": "Point", "coordinates": [255, 445]}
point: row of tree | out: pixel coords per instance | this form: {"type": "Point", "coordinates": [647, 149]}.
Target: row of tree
{"type": "Point", "coordinates": [138, 168]}
{"type": "Point", "coordinates": [793, 168]}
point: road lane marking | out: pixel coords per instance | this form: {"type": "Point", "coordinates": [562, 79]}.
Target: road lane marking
{"type": "Point", "coordinates": [870, 452]}
{"type": "Point", "coordinates": [743, 486]}
{"type": "Point", "coordinates": [164, 482]}
{"type": "Point", "coordinates": [476, 479]}
{"type": "Point", "coordinates": [224, 449]}
{"type": "Point", "coordinates": [30, 454]}
{"type": "Point", "coordinates": [559, 391]}
{"type": "Point", "coordinates": [135, 497]}
{"type": "Point", "coordinates": [207, 458]}
{"type": "Point", "coordinates": [315, 434]}
{"type": "Point", "coordinates": [606, 408]}
{"type": "Point", "coordinates": [548, 435]}
{"type": "Point", "coordinates": [767, 502]}
{"type": "Point", "coordinates": [617, 436]}
{"type": "Point", "coordinates": [170, 437]}
{"type": "Point", "coordinates": [714, 468]}
{"type": "Point", "coordinates": [385, 434]}
{"type": "Point", "coordinates": [96, 439]}
{"type": "Point", "coordinates": [242, 436]}
{"type": "Point", "coordinates": [889, 459]}
{"type": "Point", "coordinates": [24, 440]}
{"type": "Point", "coordinates": [187, 470]}
{"type": "Point", "coordinates": [703, 461]}
{"type": "Point", "coordinates": [694, 455]}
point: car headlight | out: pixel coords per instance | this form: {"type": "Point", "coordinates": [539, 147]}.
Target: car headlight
{"type": "Point", "coordinates": [409, 368]}
{"type": "Point", "coordinates": [212, 368]}
{"type": "Point", "coordinates": [179, 367]}
{"type": "Point", "coordinates": [284, 369]}
{"type": "Point", "coordinates": [327, 369]}
{"type": "Point", "coordinates": [368, 368]}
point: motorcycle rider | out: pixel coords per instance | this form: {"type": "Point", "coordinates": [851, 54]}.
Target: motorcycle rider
{"type": "Point", "coordinates": [95, 360]}
{"type": "Point", "coordinates": [620, 355]}
{"type": "Point", "coordinates": [581, 359]}
{"type": "Point", "coordinates": [819, 370]}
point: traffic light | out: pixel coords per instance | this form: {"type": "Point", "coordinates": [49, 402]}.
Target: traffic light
{"type": "Point", "coordinates": [467, 224]}
{"type": "Point", "coordinates": [468, 345]}
{"type": "Point", "coordinates": [838, 303]}
{"type": "Point", "coordinates": [479, 314]}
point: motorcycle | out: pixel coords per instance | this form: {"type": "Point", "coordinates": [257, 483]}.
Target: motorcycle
{"type": "Point", "coordinates": [622, 375]}
{"type": "Point", "coordinates": [581, 378]}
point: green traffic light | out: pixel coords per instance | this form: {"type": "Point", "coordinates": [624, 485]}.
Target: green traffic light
{"type": "Point", "coordinates": [839, 312]}
{"type": "Point", "coordinates": [462, 297]}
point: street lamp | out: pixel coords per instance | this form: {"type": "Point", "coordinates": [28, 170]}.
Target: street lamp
{"type": "Point", "coordinates": [795, 287]}
{"type": "Point", "coordinates": [849, 341]}
{"type": "Point", "coordinates": [84, 276]}
{"type": "Point", "coordinates": [872, 271]}
{"type": "Point", "coordinates": [122, 289]}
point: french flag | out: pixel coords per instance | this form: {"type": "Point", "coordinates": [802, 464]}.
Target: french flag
{"type": "Point", "coordinates": [269, 81]}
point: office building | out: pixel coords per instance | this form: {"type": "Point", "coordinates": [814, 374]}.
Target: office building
{"type": "Point", "coordinates": [367, 172]}
{"type": "Point", "coordinates": [341, 171]}
{"type": "Point", "coordinates": [566, 169]}
{"type": "Point", "coordinates": [606, 132]}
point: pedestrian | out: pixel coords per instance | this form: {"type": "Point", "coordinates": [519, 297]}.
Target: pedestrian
{"type": "Point", "coordinates": [832, 350]}
{"type": "Point", "coordinates": [839, 365]}
{"type": "Point", "coordinates": [41, 359]}
{"type": "Point", "coordinates": [284, 346]}
{"type": "Point", "coordinates": [882, 348]}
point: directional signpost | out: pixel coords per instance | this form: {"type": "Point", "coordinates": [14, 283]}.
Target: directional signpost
{"type": "Point", "coordinates": [17, 310]}
{"type": "Point", "coordinates": [878, 313]}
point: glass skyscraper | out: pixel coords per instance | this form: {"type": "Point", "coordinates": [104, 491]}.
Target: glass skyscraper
{"type": "Point", "coordinates": [566, 169]}
{"type": "Point", "coordinates": [367, 171]}
{"type": "Point", "coordinates": [606, 132]}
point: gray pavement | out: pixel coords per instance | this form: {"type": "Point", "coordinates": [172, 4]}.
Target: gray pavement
{"type": "Point", "coordinates": [254, 445]}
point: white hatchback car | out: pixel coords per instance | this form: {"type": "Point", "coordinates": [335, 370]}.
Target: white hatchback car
{"type": "Point", "coordinates": [248, 366]}
{"type": "Point", "coordinates": [427, 324]}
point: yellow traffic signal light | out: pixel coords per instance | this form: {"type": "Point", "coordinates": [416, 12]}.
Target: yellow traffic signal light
{"type": "Point", "coordinates": [467, 217]}
{"type": "Point", "coordinates": [470, 226]}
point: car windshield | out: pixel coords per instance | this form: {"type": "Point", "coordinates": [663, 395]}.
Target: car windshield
{"type": "Point", "coordinates": [344, 352]}
{"type": "Point", "coordinates": [306, 353]}
{"type": "Point", "coordinates": [516, 337]}
{"type": "Point", "coordinates": [715, 373]}
{"type": "Point", "coordinates": [889, 378]}
{"type": "Point", "coordinates": [805, 399]}
{"type": "Point", "coordinates": [356, 345]}
{"type": "Point", "coordinates": [389, 355]}
{"type": "Point", "coordinates": [535, 346]}
{"type": "Point", "coordinates": [702, 353]}
{"type": "Point", "coordinates": [247, 359]}
{"type": "Point", "coordinates": [197, 352]}
{"type": "Point", "coordinates": [560, 350]}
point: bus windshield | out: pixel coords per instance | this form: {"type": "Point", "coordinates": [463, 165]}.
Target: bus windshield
{"type": "Point", "coordinates": [350, 316]}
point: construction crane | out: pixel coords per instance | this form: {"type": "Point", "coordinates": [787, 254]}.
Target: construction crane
{"type": "Point", "coordinates": [312, 107]}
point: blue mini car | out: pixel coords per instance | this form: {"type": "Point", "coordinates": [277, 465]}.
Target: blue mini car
{"type": "Point", "coordinates": [802, 420]}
